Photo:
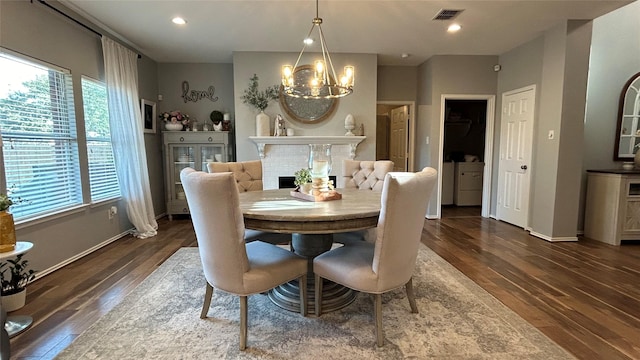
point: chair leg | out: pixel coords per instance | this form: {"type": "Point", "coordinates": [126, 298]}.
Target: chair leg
{"type": "Point", "coordinates": [302, 283]}
{"type": "Point", "coordinates": [207, 301]}
{"type": "Point", "coordinates": [412, 300]}
{"type": "Point", "coordinates": [318, 291]}
{"type": "Point", "coordinates": [377, 308]}
{"type": "Point", "coordinates": [243, 322]}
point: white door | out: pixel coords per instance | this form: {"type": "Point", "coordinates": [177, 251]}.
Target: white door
{"type": "Point", "coordinates": [516, 136]}
{"type": "Point", "coordinates": [398, 138]}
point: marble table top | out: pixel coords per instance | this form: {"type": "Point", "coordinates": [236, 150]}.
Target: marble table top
{"type": "Point", "coordinates": [278, 211]}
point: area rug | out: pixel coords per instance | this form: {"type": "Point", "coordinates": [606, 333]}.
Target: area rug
{"type": "Point", "coordinates": [457, 320]}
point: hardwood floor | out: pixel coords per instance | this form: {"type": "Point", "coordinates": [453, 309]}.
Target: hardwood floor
{"type": "Point", "coordinates": [583, 295]}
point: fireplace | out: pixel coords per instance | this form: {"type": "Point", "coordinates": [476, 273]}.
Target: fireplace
{"type": "Point", "coordinates": [282, 156]}
{"type": "Point", "coordinates": [287, 182]}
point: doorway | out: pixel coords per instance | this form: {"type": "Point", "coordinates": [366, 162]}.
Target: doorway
{"type": "Point", "coordinates": [465, 154]}
{"type": "Point", "coordinates": [395, 133]}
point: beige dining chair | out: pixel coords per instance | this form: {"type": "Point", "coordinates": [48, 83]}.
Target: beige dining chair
{"type": "Point", "coordinates": [248, 176]}
{"type": "Point", "coordinates": [390, 262]}
{"type": "Point", "coordinates": [364, 175]}
{"type": "Point", "coordinates": [230, 264]}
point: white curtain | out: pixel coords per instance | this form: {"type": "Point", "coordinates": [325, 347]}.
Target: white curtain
{"type": "Point", "coordinates": [125, 120]}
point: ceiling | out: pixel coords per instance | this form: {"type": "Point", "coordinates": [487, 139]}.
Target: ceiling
{"type": "Point", "coordinates": [217, 28]}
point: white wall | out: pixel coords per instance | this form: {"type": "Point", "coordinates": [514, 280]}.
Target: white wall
{"type": "Point", "coordinates": [361, 104]}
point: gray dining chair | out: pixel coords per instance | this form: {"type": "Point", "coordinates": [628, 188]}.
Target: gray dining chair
{"type": "Point", "coordinates": [388, 263]}
{"type": "Point", "coordinates": [248, 176]}
{"type": "Point", "coordinates": [229, 263]}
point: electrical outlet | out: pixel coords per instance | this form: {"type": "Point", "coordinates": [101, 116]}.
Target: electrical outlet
{"type": "Point", "coordinates": [112, 212]}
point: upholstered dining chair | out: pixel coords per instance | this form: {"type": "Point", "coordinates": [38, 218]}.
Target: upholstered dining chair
{"type": "Point", "coordinates": [248, 175]}
{"type": "Point", "coordinates": [364, 175]}
{"type": "Point", "coordinates": [389, 263]}
{"type": "Point", "coordinates": [230, 264]}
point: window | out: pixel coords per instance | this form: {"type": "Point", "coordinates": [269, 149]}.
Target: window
{"type": "Point", "coordinates": [39, 140]}
{"type": "Point", "coordinates": [102, 170]}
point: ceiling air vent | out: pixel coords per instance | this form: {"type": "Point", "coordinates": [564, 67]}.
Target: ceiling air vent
{"type": "Point", "coordinates": [447, 14]}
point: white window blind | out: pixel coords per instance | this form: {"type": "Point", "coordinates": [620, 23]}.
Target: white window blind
{"type": "Point", "coordinates": [39, 142]}
{"type": "Point", "coordinates": [102, 170]}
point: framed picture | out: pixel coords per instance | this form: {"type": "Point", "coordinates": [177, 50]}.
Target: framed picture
{"type": "Point", "coordinates": [148, 109]}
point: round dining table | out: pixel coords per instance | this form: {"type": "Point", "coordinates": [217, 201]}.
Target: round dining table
{"type": "Point", "coordinates": [312, 225]}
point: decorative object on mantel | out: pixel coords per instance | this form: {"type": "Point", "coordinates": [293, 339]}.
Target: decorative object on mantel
{"type": "Point", "coordinates": [324, 84]}
{"type": "Point", "coordinates": [360, 130]}
{"type": "Point", "coordinates": [195, 95]}
{"type": "Point", "coordinates": [260, 100]}
{"type": "Point", "coordinates": [349, 124]}
{"type": "Point", "coordinates": [279, 129]}
{"type": "Point", "coordinates": [636, 157]}
{"type": "Point", "coordinates": [174, 120]}
{"type": "Point", "coordinates": [628, 165]}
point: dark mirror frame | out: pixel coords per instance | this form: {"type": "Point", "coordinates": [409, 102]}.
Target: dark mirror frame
{"type": "Point", "coordinates": [306, 111]}
{"type": "Point", "coordinates": [621, 112]}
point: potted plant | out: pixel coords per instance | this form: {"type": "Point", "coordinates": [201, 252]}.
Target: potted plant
{"type": "Point", "coordinates": [303, 180]}
{"type": "Point", "coordinates": [14, 277]}
{"type": "Point", "coordinates": [260, 100]}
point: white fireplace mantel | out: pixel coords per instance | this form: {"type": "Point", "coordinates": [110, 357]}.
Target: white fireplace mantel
{"type": "Point", "coordinates": [352, 141]}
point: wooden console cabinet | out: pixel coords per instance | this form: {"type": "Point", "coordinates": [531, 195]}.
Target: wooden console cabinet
{"type": "Point", "coordinates": [612, 211]}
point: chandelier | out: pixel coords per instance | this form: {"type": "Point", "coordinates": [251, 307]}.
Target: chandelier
{"type": "Point", "coordinates": [324, 84]}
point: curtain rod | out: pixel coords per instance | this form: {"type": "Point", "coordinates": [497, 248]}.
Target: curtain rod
{"type": "Point", "coordinates": [72, 19]}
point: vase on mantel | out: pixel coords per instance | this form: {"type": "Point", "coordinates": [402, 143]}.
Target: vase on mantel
{"type": "Point", "coordinates": [636, 160]}
{"type": "Point", "coordinates": [263, 122]}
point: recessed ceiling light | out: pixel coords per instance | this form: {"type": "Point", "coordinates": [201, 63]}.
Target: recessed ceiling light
{"type": "Point", "coordinates": [454, 28]}
{"type": "Point", "coordinates": [178, 20]}
{"type": "Point", "coordinates": [404, 55]}
{"type": "Point", "coordinates": [308, 41]}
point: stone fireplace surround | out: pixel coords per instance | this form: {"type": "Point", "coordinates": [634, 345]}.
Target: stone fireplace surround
{"type": "Point", "coordinates": [284, 155]}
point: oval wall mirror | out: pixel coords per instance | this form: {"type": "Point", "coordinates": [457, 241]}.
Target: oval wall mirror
{"type": "Point", "coordinates": [628, 129]}
{"type": "Point", "coordinates": [306, 111]}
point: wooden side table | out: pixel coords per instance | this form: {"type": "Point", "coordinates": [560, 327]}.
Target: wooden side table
{"type": "Point", "coordinates": [17, 324]}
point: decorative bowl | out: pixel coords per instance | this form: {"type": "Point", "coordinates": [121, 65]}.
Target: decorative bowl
{"type": "Point", "coordinates": [628, 165]}
{"type": "Point", "coordinates": [173, 126]}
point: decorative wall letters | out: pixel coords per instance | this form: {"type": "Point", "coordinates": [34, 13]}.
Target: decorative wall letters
{"type": "Point", "coordinates": [195, 95]}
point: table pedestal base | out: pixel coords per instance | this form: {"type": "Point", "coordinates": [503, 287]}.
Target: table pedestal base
{"type": "Point", "coordinates": [334, 296]}
{"type": "Point", "coordinates": [17, 324]}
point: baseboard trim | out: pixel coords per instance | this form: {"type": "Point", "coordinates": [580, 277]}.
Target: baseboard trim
{"type": "Point", "coordinates": [554, 239]}
{"type": "Point", "coordinates": [48, 271]}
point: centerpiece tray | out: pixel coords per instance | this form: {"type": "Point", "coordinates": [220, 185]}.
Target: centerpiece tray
{"type": "Point", "coordinates": [325, 196]}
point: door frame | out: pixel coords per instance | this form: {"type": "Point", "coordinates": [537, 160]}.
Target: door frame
{"type": "Point", "coordinates": [488, 147]}
{"type": "Point", "coordinates": [411, 126]}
